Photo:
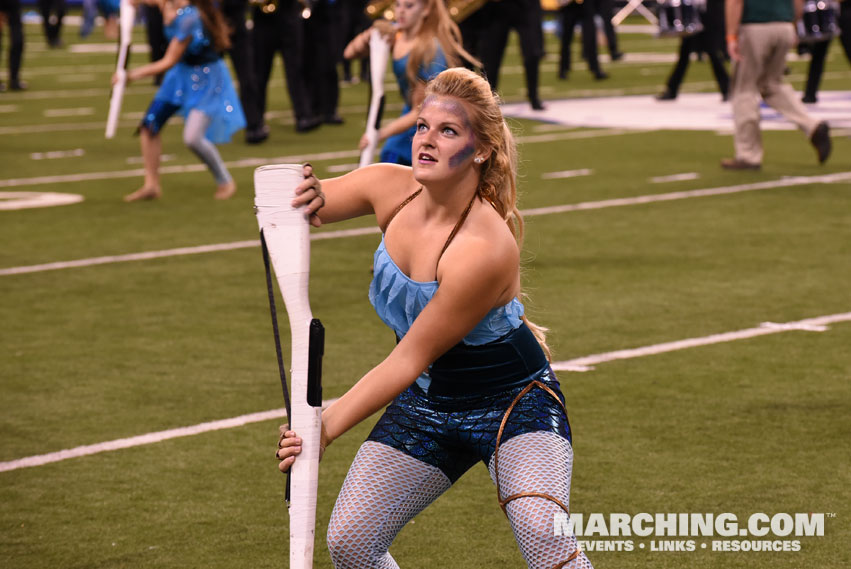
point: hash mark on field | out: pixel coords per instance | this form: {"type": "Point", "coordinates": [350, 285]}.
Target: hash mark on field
{"type": "Point", "coordinates": [53, 154]}
{"type": "Point", "coordinates": [675, 178]}
{"type": "Point", "coordinates": [818, 324]}
{"type": "Point", "coordinates": [337, 168]}
{"type": "Point", "coordinates": [583, 206]}
{"type": "Point", "coordinates": [567, 174]}
{"type": "Point", "coordinates": [140, 159]}
{"type": "Point", "coordinates": [75, 112]}
{"type": "Point", "coordinates": [146, 439]}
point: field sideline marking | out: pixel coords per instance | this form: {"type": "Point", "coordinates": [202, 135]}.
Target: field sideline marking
{"type": "Point", "coordinates": [583, 206]}
{"type": "Point", "coordinates": [818, 324]}
{"type": "Point", "coordinates": [146, 439]}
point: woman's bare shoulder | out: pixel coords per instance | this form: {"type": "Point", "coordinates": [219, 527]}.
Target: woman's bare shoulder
{"type": "Point", "coordinates": [486, 244]}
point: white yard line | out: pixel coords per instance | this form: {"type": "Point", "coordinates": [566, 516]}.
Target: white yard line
{"type": "Point", "coordinates": [146, 439]}
{"type": "Point", "coordinates": [149, 255]}
{"type": "Point", "coordinates": [818, 324]}
{"type": "Point", "coordinates": [651, 198]}
{"type": "Point", "coordinates": [583, 206]}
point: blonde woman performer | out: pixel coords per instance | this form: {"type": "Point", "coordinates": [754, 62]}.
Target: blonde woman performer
{"type": "Point", "coordinates": [469, 379]}
{"type": "Point", "coordinates": [424, 41]}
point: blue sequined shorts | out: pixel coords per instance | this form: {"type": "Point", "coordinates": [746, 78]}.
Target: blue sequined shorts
{"type": "Point", "coordinates": [157, 114]}
{"type": "Point", "coordinates": [454, 433]}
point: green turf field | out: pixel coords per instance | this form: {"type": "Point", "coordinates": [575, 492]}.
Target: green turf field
{"type": "Point", "coordinates": [108, 351]}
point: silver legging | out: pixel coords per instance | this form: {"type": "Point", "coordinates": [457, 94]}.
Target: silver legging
{"type": "Point", "coordinates": [386, 488]}
{"type": "Point", "coordinates": [193, 137]}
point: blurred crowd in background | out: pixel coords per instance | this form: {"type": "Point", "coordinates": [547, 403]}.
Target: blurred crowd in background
{"type": "Point", "coordinates": [311, 36]}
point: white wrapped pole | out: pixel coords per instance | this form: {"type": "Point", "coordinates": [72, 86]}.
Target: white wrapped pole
{"type": "Point", "coordinates": [126, 17]}
{"type": "Point", "coordinates": [286, 231]}
{"type": "Point", "coordinates": [379, 52]}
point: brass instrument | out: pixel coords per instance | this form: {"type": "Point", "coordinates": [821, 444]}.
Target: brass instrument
{"type": "Point", "coordinates": [458, 9]}
{"type": "Point", "coordinates": [381, 9]}
{"type": "Point", "coordinates": [269, 6]}
{"type": "Point", "coordinates": [266, 6]}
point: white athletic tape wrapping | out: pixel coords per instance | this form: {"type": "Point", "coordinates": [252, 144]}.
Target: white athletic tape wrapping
{"type": "Point", "coordinates": [287, 234]}
{"type": "Point", "coordinates": [379, 52]}
{"type": "Point", "coordinates": [126, 17]}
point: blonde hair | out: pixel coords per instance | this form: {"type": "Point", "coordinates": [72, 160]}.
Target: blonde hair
{"type": "Point", "coordinates": [436, 24]}
{"type": "Point", "coordinates": [498, 180]}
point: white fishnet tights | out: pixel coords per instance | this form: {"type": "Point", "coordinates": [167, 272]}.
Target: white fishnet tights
{"type": "Point", "coordinates": [539, 462]}
{"type": "Point", "coordinates": [386, 488]}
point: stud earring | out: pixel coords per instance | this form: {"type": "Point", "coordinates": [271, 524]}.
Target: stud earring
{"type": "Point", "coordinates": [478, 160]}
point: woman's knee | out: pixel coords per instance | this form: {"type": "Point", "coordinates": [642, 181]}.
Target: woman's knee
{"type": "Point", "coordinates": [193, 140]}
{"type": "Point", "coordinates": [352, 544]}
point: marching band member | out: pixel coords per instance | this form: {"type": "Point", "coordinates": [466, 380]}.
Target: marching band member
{"type": "Point", "coordinates": [469, 379]}
{"type": "Point", "coordinates": [819, 53]}
{"type": "Point", "coordinates": [198, 85]}
{"type": "Point", "coordinates": [569, 13]}
{"type": "Point", "coordinates": [496, 20]}
{"type": "Point", "coordinates": [11, 11]}
{"type": "Point", "coordinates": [425, 41]}
{"type": "Point", "coordinates": [710, 41]}
{"type": "Point", "coordinates": [283, 29]}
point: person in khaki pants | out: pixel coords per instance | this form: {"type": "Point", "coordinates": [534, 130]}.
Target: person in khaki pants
{"type": "Point", "coordinates": [759, 35]}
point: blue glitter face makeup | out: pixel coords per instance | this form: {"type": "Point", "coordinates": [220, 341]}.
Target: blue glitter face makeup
{"type": "Point", "coordinates": [454, 107]}
{"type": "Point", "coordinates": [459, 157]}
{"type": "Point", "coordinates": [449, 105]}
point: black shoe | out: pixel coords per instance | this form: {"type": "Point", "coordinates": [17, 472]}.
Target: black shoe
{"type": "Point", "coordinates": [307, 124]}
{"type": "Point", "coordinates": [809, 99]}
{"type": "Point", "coordinates": [257, 135]}
{"type": "Point", "coordinates": [821, 141]}
{"type": "Point", "coordinates": [563, 73]}
{"type": "Point", "coordinates": [736, 164]}
{"type": "Point", "coordinates": [666, 95]}
{"type": "Point", "coordinates": [537, 105]}
{"type": "Point", "coordinates": [725, 97]}
{"type": "Point", "coordinates": [617, 56]}
{"type": "Point", "coordinates": [333, 119]}
{"type": "Point", "coordinates": [18, 86]}
{"type": "Point", "coordinates": [600, 75]}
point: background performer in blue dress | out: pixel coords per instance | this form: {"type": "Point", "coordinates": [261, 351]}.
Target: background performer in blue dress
{"type": "Point", "coordinates": [197, 84]}
{"type": "Point", "coordinates": [469, 379]}
{"type": "Point", "coordinates": [424, 42]}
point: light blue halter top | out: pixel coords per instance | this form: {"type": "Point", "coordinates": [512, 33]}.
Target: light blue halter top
{"type": "Point", "coordinates": [398, 299]}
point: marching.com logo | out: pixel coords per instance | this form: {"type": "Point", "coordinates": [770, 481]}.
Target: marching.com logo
{"type": "Point", "coordinates": [769, 527]}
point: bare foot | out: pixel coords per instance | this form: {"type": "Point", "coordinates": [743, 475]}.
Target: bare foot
{"type": "Point", "coordinates": [225, 191]}
{"type": "Point", "coordinates": [143, 194]}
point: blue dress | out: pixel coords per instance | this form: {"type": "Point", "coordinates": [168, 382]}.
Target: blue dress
{"type": "Point", "coordinates": [397, 148]}
{"type": "Point", "coordinates": [199, 81]}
